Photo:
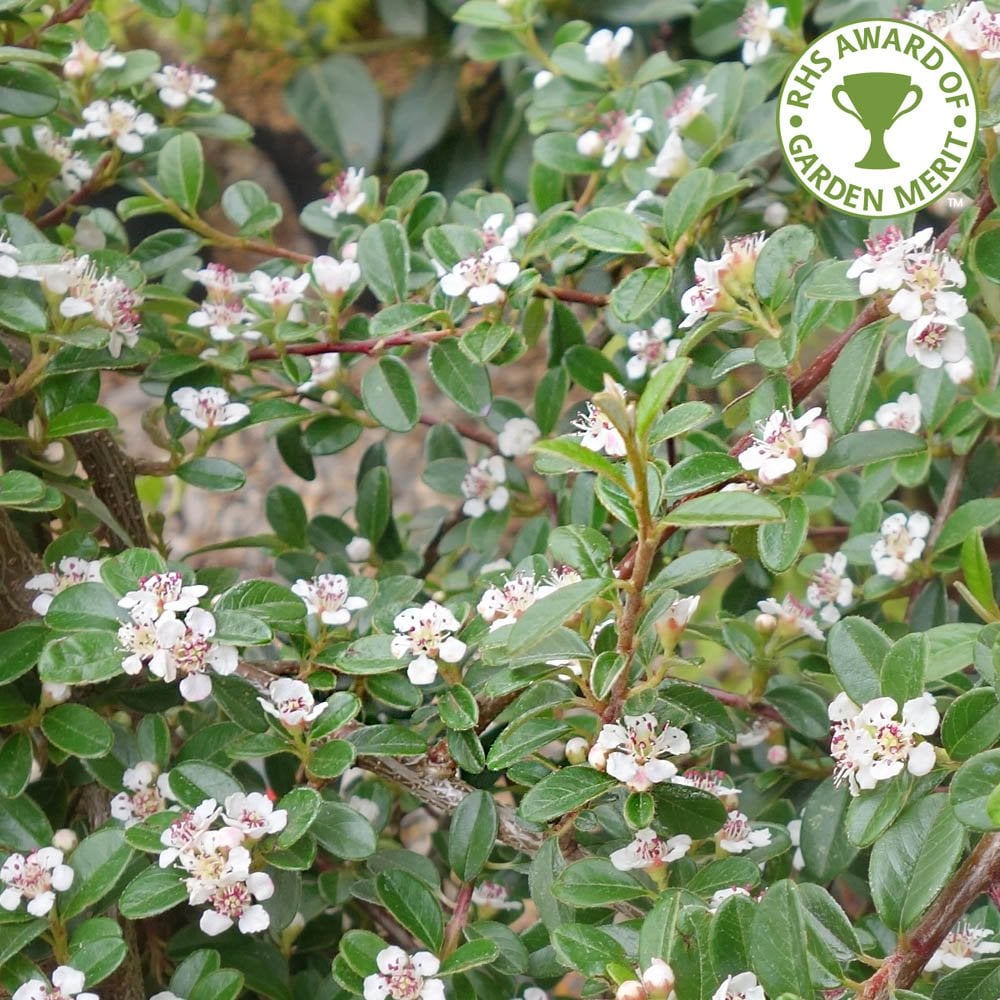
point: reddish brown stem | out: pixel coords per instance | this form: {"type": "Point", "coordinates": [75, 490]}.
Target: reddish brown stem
{"type": "Point", "coordinates": [351, 346]}
{"type": "Point", "coordinates": [466, 430]}
{"type": "Point", "coordinates": [743, 704]}
{"type": "Point", "coordinates": [56, 215]}
{"type": "Point", "coordinates": [571, 295]}
{"type": "Point", "coordinates": [459, 918]}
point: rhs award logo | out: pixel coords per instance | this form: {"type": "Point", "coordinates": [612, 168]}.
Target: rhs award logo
{"type": "Point", "coordinates": [877, 118]}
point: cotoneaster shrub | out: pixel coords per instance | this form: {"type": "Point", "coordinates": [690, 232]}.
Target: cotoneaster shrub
{"type": "Point", "coordinates": [687, 686]}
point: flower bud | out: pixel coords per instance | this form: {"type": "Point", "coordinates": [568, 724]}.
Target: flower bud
{"type": "Point", "coordinates": [36, 770]}
{"type": "Point", "coordinates": [776, 214]}
{"type": "Point", "coordinates": [765, 624]}
{"type": "Point", "coordinates": [597, 758]}
{"type": "Point", "coordinates": [577, 750]}
{"type": "Point", "coordinates": [777, 755]}
{"type": "Point", "coordinates": [658, 979]}
{"type": "Point", "coordinates": [55, 694]}
{"type": "Point", "coordinates": [631, 989]}
{"type": "Point", "coordinates": [65, 840]}
{"type": "Point", "coordinates": [359, 549]}
{"type": "Point", "coordinates": [542, 78]}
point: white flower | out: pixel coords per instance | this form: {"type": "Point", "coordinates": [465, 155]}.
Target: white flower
{"type": "Point", "coordinates": [425, 634]}
{"type": "Point", "coordinates": [232, 902]}
{"type": "Point", "coordinates": [70, 571]}
{"type": "Point", "coordinates": [715, 280]}
{"type": "Point", "coordinates": [159, 593]}
{"type": "Point", "coordinates": [757, 27]}
{"type": "Point", "coordinates": [482, 277]}
{"type": "Point", "coordinates": [327, 596]}
{"type": "Point", "coordinates": [634, 751]}
{"type": "Point", "coordinates": [741, 987]}
{"type": "Point", "coordinates": [347, 194]}
{"type": "Point", "coordinates": [84, 61]}
{"type": "Point", "coordinates": [647, 850]}
{"type": "Point", "coordinates": [335, 277]}
{"type": "Point", "coordinates": [220, 281]}
{"type": "Point", "coordinates": [794, 828]}
{"type": "Point", "coordinates": [830, 588]}
{"type": "Point", "coordinates": [404, 977]}
{"type": "Point", "coordinates": [179, 85]}
{"type": "Point", "coordinates": [977, 30]}
{"type": "Point", "coordinates": [120, 121]}
{"type": "Point", "coordinates": [517, 436]}
{"type": "Point", "coordinates": [483, 487]}
{"type": "Point", "coordinates": [882, 267]}
{"type": "Point", "coordinates": [597, 433]}
{"type": "Point", "coordinates": [961, 946]}
{"type": "Point", "coordinates": [929, 278]}
{"type": "Point", "coordinates": [146, 792]}
{"type": "Point", "coordinates": [671, 161]}
{"type": "Point", "coordinates": [651, 349]}
{"type": "Point", "coordinates": [604, 47]}
{"type": "Point", "coordinates": [783, 441]}
{"type": "Point", "coordinates": [209, 407]}
{"type": "Point", "coordinates": [291, 702]}
{"type": "Point", "coordinates": [253, 815]}
{"type": "Point", "coordinates": [190, 653]}
{"type": "Point", "coordinates": [494, 896]}
{"type": "Point", "coordinates": [280, 294]}
{"type": "Point", "coordinates": [904, 414]}
{"type": "Point", "coordinates": [935, 340]}
{"type": "Point", "coordinates": [494, 231]}
{"type": "Point", "coordinates": [225, 320]}
{"type": "Point", "coordinates": [325, 368]}
{"type": "Point", "coordinates": [74, 170]}
{"type": "Point", "coordinates": [67, 984]}
{"type": "Point", "coordinates": [737, 836]}
{"type": "Point", "coordinates": [688, 104]}
{"type": "Point", "coordinates": [503, 605]}
{"type": "Point", "coordinates": [187, 830]}
{"type": "Point", "coordinates": [36, 878]}
{"type": "Point", "coordinates": [791, 617]}
{"type": "Point", "coordinates": [718, 783]}
{"type": "Point", "coordinates": [901, 543]}
{"type": "Point", "coordinates": [620, 135]}
{"type": "Point", "coordinates": [869, 746]}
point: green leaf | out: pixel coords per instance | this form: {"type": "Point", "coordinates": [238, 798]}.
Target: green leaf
{"type": "Point", "coordinates": [458, 708]}
{"type": "Point", "coordinates": [223, 984]}
{"type": "Point", "coordinates": [523, 737]}
{"type": "Point", "coordinates": [904, 668]}
{"type": "Point", "coordinates": [700, 472]}
{"type": "Point", "coordinates": [586, 949]}
{"type": "Point", "coordinates": [865, 447]}
{"type": "Point", "coordinates": [85, 606]}
{"type": "Point", "coordinates": [583, 548]}
{"type": "Point", "coordinates": [84, 658]}
{"type": "Point", "coordinates": [413, 904]}
{"type": "Point", "coordinates": [856, 649]}
{"type": "Point", "coordinates": [27, 91]}
{"type": "Point", "coordinates": [216, 474]}
{"type": "Point", "coordinates": [21, 308]}
{"type": "Point", "coordinates": [547, 614]}
{"type": "Point", "coordinates": [180, 170]}
{"type": "Point", "coordinates": [564, 790]}
{"type": "Point", "coordinates": [851, 376]}
{"type": "Point", "coordinates": [80, 419]}
{"type": "Point", "coordinates": [686, 203]}
{"type": "Point", "coordinates": [681, 809]}
{"type": "Point", "coordinates": [979, 981]}
{"type": "Point", "coordinates": [96, 948]}
{"type": "Point", "coordinates": [17, 937]}
{"type": "Point", "coordinates": [462, 380]}
{"type": "Point", "coordinates": [469, 956]}
{"type": "Point", "coordinates": [971, 724]}
{"type": "Point", "coordinates": [639, 293]}
{"type": "Point", "coordinates": [23, 825]}
{"type": "Point", "coordinates": [783, 253]}
{"type": "Point", "coordinates": [77, 730]}
{"type": "Point", "coordinates": [972, 787]}
{"type": "Point", "coordinates": [483, 14]}
{"type": "Point", "coordinates": [390, 396]}
{"type": "Point", "coordinates": [344, 832]}
{"type": "Point", "coordinates": [15, 764]}
{"type": "Point", "coordinates": [98, 861]}
{"type": "Point", "coordinates": [339, 108]}
{"type": "Point", "coordinates": [779, 544]}
{"type": "Point", "coordinates": [595, 882]}
{"type": "Point", "coordinates": [247, 205]}
{"type": "Point", "coordinates": [196, 780]}
{"type": "Point", "coordinates": [331, 759]}
{"type": "Point", "coordinates": [658, 391]}
{"type": "Point", "coordinates": [557, 150]}
{"type": "Point", "coordinates": [387, 741]}
{"type": "Point", "coordinates": [912, 861]}
{"type": "Point", "coordinates": [970, 517]}
{"type": "Point", "coordinates": [384, 256]}
{"type": "Point", "coordinates": [18, 488]}
{"type": "Point", "coordinates": [275, 605]}
{"type": "Point", "coordinates": [152, 891]}
{"type": "Point", "coordinates": [781, 918]}
{"type": "Point", "coordinates": [724, 510]}
{"type": "Point", "coordinates": [471, 834]}
{"type": "Point", "coordinates": [576, 457]}
{"type": "Point", "coordinates": [873, 812]}
{"type": "Point", "coordinates": [611, 230]}
{"type": "Point", "coordinates": [302, 806]}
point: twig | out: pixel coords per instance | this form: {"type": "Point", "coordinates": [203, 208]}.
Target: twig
{"type": "Point", "coordinates": [571, 295]}
{"type": "Point", "coordinates": [744, 704]}
{"type": "Point", "coordinates": [351, 346]}
{"type": "Point", "coordinates": [466, 430]}
{"type": "Point", "coordinates": [75, 10]}
{"type": "Point", "coordinates": [901, 969]}
{"type": "Point", "coordinates": [459, 918]}
{"type": "Point", "coordinates": [55, 215]}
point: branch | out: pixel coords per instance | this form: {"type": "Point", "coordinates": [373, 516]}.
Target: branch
{"type": "Point", "coordinates": [351, 346]}
{"type": "Point", "coordinates": [571, 295]}
{"type": "Point", "coordinates": [55, 215]}
{"type": "Point", "coordinates": [901, 969]}
{"type": "Point", "coordinates": [17, 565]}
{"type": "Point", "coordinates": [466, 430]}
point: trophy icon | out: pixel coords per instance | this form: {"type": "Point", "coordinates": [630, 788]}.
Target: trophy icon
{"type": "Point", "coordinates": [877, 100]}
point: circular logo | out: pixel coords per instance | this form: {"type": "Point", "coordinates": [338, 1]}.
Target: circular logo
{"type": "Point", "coordinates": [877, 118]}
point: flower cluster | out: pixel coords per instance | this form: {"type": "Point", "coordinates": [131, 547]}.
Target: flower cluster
{"type": "Point", "coordinates": [120, 122]}
{"type": "Point", "coordinates": [868, 745]}
{"type": "Point", "coordinates": [35, 878]}
{"type": "Point", "coordinates": [783, 442]}
{"type": "Point", "coordinates": [217, 863]}
{"type": "Point", "coordinates": [426, 635]}
{"type": "Point", "coordinates": [901, 542]}
{"type": "Point", "coordinates": [69, 571]}
{"type": "Point", "coordinates": [223, 312]}
{"type": "Point", "coordinates": [517, 436]}
{"type": "Point", "coordinates": [169, 645]}
{"type": "Point", "coordinates": [146, 792]}
{"type": "Point", "coordinates": [721, 284]}
{"type": "Point", "coordinates": [672, 161]}
{"type": "Point", "coordinates": [634, 751]}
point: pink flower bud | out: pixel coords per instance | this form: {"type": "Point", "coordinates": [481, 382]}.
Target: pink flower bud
{"type": "Point", "coordinates": [658, 979]}
{"type": "Point", "coordinates": [577, 750]}
{"type": "Point", "coordinates": [65, 840]}
{"type": "Point", "coordinates": [597, 758]}
{"type": "Point", "coordinates": [777, 755]}
{"type": "Point", "coordinates": [631, 989]}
